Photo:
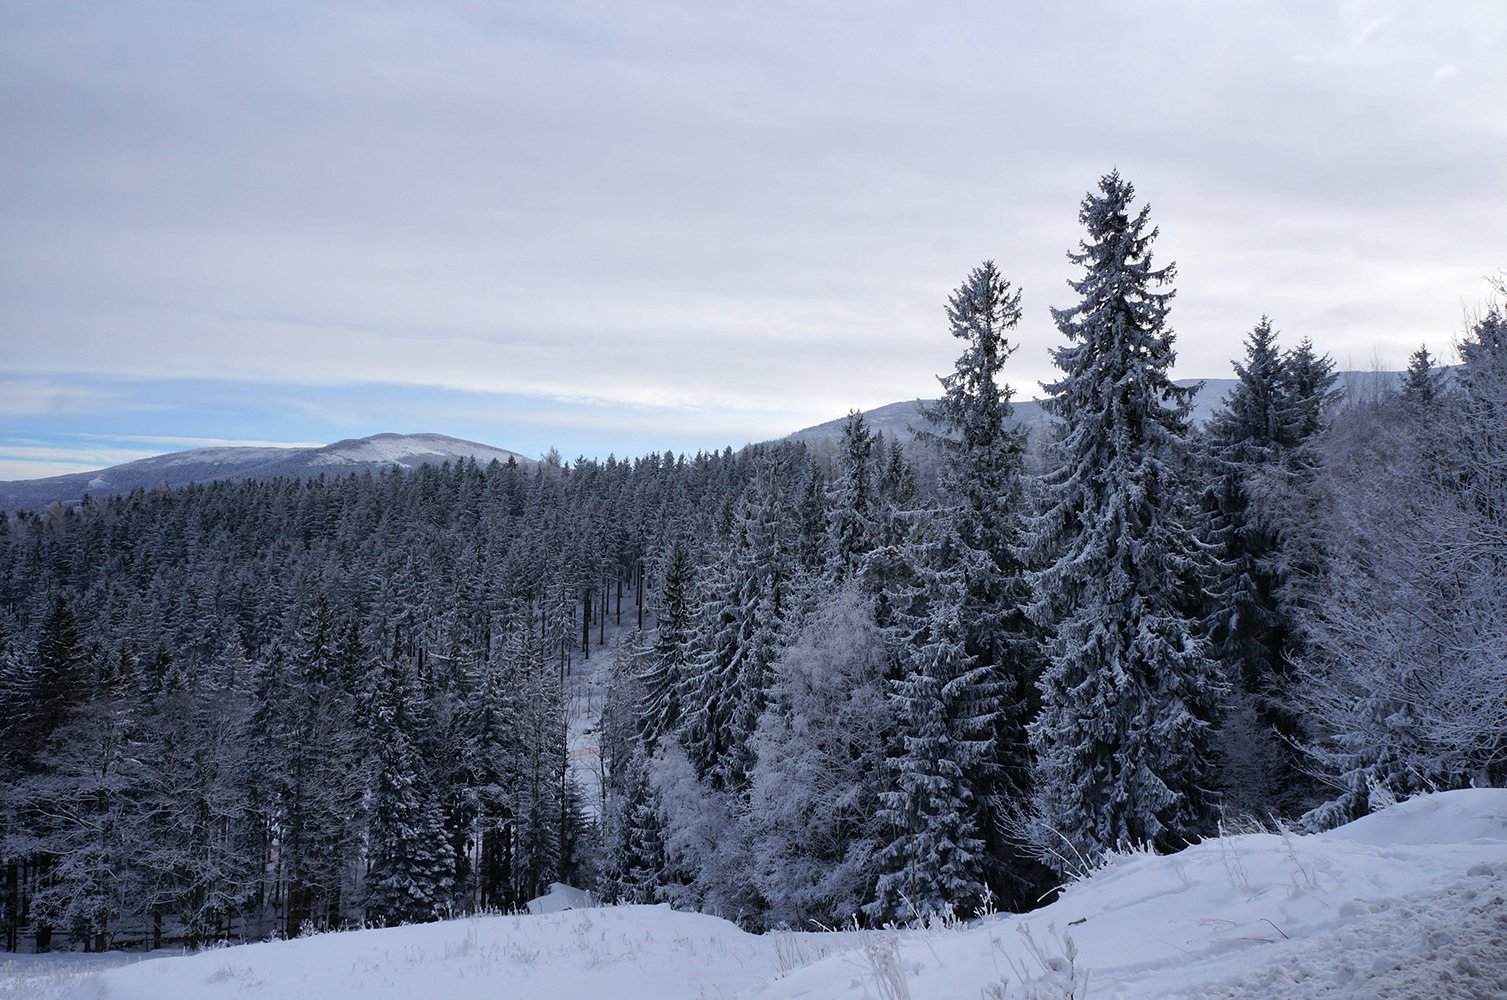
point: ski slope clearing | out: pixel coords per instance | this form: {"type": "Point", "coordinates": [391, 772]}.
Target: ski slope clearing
{"type": "Point", "coordinates": [1409, 902]}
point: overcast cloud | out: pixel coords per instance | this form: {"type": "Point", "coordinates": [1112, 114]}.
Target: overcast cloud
{"type": "Point", "coordinates": [678, 225]}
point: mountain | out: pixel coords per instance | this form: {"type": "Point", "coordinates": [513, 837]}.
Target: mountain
{"type": "Point", "coordinates": [203, 465]}
{"type": "Point", "coordinates": [903, 418]}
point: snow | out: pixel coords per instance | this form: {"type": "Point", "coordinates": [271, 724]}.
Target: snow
{"type": "Point", "coordinates": [235, 456]}
{"type": "Point", "coordinates": [1408, 902]}
{"type": "Point", "coordinates": [407, 450]}
{"type": "Point", "coordinates": [1361, 910]}
{"type": "Point", "coordinates": [561, 897]}
{"type": "Point", "coordinates": [622, 952]}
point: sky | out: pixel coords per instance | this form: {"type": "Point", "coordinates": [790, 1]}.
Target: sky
{"type": "Point", "coordinates": [621, 227]}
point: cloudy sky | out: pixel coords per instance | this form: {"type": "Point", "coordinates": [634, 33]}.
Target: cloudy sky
{"type": "Point", "coordinates": [624, 226]}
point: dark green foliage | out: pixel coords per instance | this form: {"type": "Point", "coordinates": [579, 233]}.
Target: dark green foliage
{"type": "Point", "coordinates": [1129, 688]}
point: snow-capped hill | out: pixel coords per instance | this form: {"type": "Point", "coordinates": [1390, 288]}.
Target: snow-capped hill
{"type": "Point", "coordinates": [203, 465]}
{"type": "Point", "coordinates": [903, 419]}
{"type": "Point", "coordinates": [408, 451]}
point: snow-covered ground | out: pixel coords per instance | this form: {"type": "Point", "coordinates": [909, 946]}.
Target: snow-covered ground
{"type": "Point", "coordinates": [649, 952]}
{"type": "Point", "coordinates": [1410, 902]}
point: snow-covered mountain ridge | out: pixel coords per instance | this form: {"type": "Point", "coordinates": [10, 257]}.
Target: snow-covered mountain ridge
{"type": "Point", "coordinates": [202, 465]}
{"type": "Point", "coordinates": [409, 451]}
{"type": "Point", "coordinates": [1408, 902]}
{"type": "Point", "coordinates": [900, 420]}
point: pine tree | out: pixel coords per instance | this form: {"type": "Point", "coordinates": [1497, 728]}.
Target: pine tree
{"type": "Point", "coordinates": [199, 854]}
{"type": "Point", "coordinates": [538, 798]}
{"type": "Point", "coordinates": [1129, 687]}
{"type": "Point", "coordinates": [316, 750]}
{"type": "Point", "coordinates": [634, 868]}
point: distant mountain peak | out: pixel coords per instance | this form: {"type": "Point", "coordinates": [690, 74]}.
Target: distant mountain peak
{"type": "Point", "coordinates": [200, 465]}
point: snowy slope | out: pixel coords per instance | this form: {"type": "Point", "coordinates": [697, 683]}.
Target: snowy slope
{"type": "Point", "coordinates": [203, 465]}
{"type": "Point", "coordinates": [406, 451]}
{"type": "Point", "coordinates": [903, 418]}
{"type": "Point", "coordinates": [1410, 902]}
{"type": "Point", "coordinates": [631, 952]}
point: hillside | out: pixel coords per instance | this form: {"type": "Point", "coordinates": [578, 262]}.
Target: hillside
{"type": "Point", "coordinates": [901, 419]}
{"type": "Point", "coordinates": [1407, 902]}
{"type": "Point", "coordinates": [202, 465]}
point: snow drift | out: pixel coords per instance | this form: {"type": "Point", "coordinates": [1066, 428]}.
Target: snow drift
{"type": "Point", "coordinates": [1409, 902]}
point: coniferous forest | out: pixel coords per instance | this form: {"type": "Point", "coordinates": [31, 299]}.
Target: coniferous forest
{"type": "Point", "coordinates": [883, 682]}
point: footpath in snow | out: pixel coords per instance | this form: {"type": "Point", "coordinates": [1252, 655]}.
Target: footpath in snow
{"type": "Point", "coordinates": [1410, 902]}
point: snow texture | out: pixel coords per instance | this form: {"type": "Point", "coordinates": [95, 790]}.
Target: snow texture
{"type": "Point", "coordinates": [1409, 902]}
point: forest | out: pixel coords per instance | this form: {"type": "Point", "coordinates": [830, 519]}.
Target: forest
{"type": "Point", "coordinates": [887, 682]}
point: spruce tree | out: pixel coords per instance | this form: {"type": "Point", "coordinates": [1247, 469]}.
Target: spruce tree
{"type": "Point", "coordinates": [741, 626]}
{"type": "Point", "coordinates": [1129, 687]}
{"type": "Point", "coordinates": [946, 712]}
{"type": "Point", "coordinates": [852, 499]}
{"type": "Point", "coordinates": [982, 489]}
{"type": "Point", "coordinates": [666, 661]}
{"type": "Point", "coordinates": [1421, 383]}
{"type": "Point", "coordinates": [409, 863]}
{"type": "Point", "coordinates": [1248, 625]}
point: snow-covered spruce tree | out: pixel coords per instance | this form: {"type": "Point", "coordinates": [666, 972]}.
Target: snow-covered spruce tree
{"type": "Point", "coordinates": [493, 755]}
{"type": "Point", "coordinates": [665, 662]}
{"type": "Point", "coordinates": [982, 490]}
{"type": "Point", "coordinates": [1481, 406]}
{"type": "Point", "coordinates": [945, 709]}
{"type": "Point", "coordinates": [743, 622]}
{"type": "Point", "coordinates": [634, 866]}
{"type": "Point", "coordinates": [82, 818]}
{"type": "Point", "coordinates": [315, 753]}
{"type": "Point", "coordinates": [201, 859]}
{"type": "Point", "coordinates": [1422, 383]}
{"type": "Point", "coordinates": [539, 795]}
{"type": "Point", "coordinates": [409, 862]}
{"type": "Point", "coordinates": [1310, 393]}
{"type": "Point", "coordinates": [1251, 447]}
{"type": "Point", "coordinates": [633, 863]}
{"type": "Point", "coordinates": [1129, 687]}
{"type": "Point", "coordinates": [851, 499]}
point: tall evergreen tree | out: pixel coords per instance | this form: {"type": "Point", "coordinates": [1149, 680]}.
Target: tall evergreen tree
{"type": "Point", "coordinates": [946, 714]}
{"type": "Point", "coordinates": [851, 500]}
{"type": "Point", "coordinates": [1421, 383]}
{"type": "Point", "coordinates": [1250, 437]}
{"type": "Point", "coordinates": [982, 484]}
{"type": "Point", "coordinates": [409, 867]}
{"type": "Point", "coordinates": [666, 661]}
{"type": "Point", "coordinates": [742, 624]}
{"type": "Point", "coordinates": [1129, 687]}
